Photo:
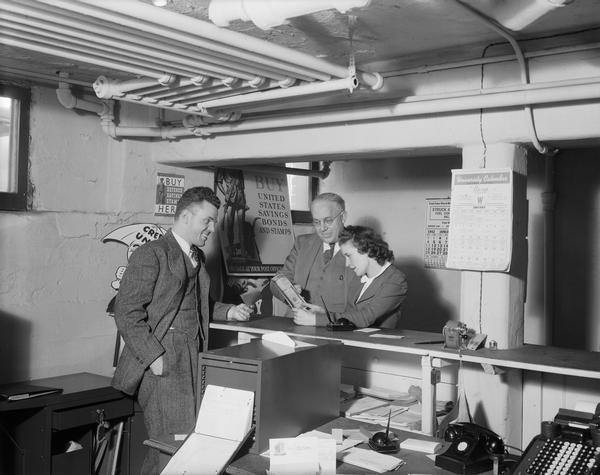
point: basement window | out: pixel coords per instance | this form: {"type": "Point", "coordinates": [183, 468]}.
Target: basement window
{"type": "Point", "coordinates": [14, 141]}
{"type": "Point", "coordinates": [302, 190]}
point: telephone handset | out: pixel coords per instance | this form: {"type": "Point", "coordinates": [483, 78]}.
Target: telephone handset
{"type": "Point", "coordinates": [471, 450]}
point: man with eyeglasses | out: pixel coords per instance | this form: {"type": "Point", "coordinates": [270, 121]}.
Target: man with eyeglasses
{"type": "Point", "coordinates": [315, 266]}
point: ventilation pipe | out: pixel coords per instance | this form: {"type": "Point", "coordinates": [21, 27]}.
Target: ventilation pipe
{"type": "Point", "coordinates": [67, 99]}
{"type": "Point", "coordinates": [517, 14]}
{"type": "Point", "coordinates": [269, 13]}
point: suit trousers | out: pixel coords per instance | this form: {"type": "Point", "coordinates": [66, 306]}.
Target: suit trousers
{"type": "Point", "coordinates": [169, 400]}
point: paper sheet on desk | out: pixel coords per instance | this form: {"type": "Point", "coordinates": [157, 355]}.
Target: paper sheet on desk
{"type": "Point", "coordinates": [370, 460]}
{"type": "Point", "coordinates": [282, 338]}
{"type": "Point", "coordinates": [389, 337]}
{"type": "Point", "coordinates": [302, 455]}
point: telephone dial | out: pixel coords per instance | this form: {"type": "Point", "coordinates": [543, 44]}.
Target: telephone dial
{"type": "Point", "coordinates": [472, 449]}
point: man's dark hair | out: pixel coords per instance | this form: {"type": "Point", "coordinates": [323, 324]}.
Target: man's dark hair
{"type": "Point", "coordinates": [197, 194]}
{"type": "Point", "coordinates": [368, 242]}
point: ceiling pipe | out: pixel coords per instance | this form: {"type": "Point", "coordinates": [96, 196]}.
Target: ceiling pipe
{"type": "Point", "coordinates": [269, 13]}
{"type": "Point", "coordinates": [541, 93]}
{"type": "Point", "coordinates": [87, 59]}
{"type": "Point", "coordinates": [541, 148]}
{"type": "Point", "coordinates": [187, 31]}
{"type": "Point", "coordinates": [507, 97]}
{"type": "Point", "coordinates": [92, 33]}
{"type": "Point", "coordinates": [321, 174]}
{"type": "Point", "coordinates": [518, 14]}
{"type": "Point", "coordinates": [244, 101]}
{"type": "Point", "coordinates": [67, 99]}
{"type": "Point", "coordinates": [169, 24]}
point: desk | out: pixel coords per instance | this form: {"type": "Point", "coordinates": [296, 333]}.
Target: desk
{"type": "Point", "coordinates": [41, 426]}
{"type": "Point", "coordinates": [416, 462]}
{"type": "Point", "coordinates": [537, 358]}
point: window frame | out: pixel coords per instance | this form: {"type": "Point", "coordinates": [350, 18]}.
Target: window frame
{"type": "Point", "coordinates": [17, 201]}
{"type": "Point", "coordinates": [304, 217]}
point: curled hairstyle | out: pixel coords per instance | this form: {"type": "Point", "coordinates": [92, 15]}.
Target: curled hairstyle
{"type": "Point", "coordinates": [197, 194]}
{"type": "Point", "coordinates": [333, 197]}
{"type": "Point", "coordinates": [368, 242]}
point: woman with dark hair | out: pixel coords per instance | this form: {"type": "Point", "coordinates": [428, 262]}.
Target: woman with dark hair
{"type": "Point", "coordinates": [376, 299]}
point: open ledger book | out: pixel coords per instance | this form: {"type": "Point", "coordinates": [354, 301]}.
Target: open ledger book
{"type": "Point", "coordinates": [223, 424]}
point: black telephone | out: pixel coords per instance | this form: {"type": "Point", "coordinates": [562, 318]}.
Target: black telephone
{"type": "Point", "coordinates": [341, 325]}
{"type": "Point", "coordinates": [471, 450]}
{"type": "Point", "coordinates": [571, 443]}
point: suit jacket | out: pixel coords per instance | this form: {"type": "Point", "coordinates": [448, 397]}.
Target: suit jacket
{"type": "Point", "coordinates": [307, 248]}
{"type": "Point", "coordinates": [381, 304]}
{"type": "Point", "coordinates": [148, 300]}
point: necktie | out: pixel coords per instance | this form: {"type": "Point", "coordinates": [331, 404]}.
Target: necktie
{"type": "Point", "coordinates": [195, 254]}
{"type": "Point", "coordinates": [328, 253]}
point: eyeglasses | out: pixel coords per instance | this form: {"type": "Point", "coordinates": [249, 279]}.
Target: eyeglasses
{"type": "Point", "coordinates": [326, 221]}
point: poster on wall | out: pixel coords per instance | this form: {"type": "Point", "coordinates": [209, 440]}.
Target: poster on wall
{"type": "Point", "coordinates": [169, 189]}
{"type": "Point", "coordinates": [480, 234]}
{"type": "Point", "coordinates": [436, 232]}
{"type": "Point", "coordinates": [255, 221]}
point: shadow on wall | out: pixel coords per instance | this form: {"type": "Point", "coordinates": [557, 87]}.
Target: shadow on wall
{"type": "Point", "coordinates": [15, 341]}
{"type": "Point", "coordinates": [423, 309]}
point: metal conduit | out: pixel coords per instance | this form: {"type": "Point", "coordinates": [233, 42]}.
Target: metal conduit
{"type": "Point", "coordinates": [543, 149]}
{"type": "Point", "coordinates": [478, 99]}
{"type": "Point", "coordinates": [129, 42]}
{"type": "Point", "coordinates": [226, 37]}
{"type": "Point", "coordinates": [137, 19]}
{"type": "Point", "coordinates": [170, 61]}
{"type": "Point", "coordinates": [41, 48]}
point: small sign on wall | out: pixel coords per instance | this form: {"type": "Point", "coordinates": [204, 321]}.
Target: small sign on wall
{"type": "Point", "coordinates": [480, 235]}
{"type": "Point", "coordinates": [169, 189]}
{"type": "Point", "coordinates": [436, 232]}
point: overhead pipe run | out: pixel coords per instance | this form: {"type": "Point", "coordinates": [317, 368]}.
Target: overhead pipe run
{"type": "Point", "coordinates": [518, 14]}
{"type": "Point", "coordinates": [506, 97]}
{"type": "Point", "coordinates": [67, 99]}
{"type": "Point", "coordinates": [239, 103]}
{"type": "Point", "coordinates": [212, 39]}
{"type": "Point", "coordinates": [269, 13]}
{"type": "Point", "coordinates": [541, 148]}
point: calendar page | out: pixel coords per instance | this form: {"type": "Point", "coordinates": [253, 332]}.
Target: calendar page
{"type": "Point", "coordinates": [480, 234]}
{"type": "Point", "coordinates": [436, 232]}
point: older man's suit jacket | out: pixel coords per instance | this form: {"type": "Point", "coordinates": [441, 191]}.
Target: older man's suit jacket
{"type": "Point", "coordinates": [381, 304]}
{"type": "Point", "coordinates": [148, 300]}
{"type": "Point", "coordinates": [299, 263]}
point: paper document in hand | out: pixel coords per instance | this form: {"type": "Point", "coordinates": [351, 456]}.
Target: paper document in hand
{"type": "Point", "coordinates": [223, 424]}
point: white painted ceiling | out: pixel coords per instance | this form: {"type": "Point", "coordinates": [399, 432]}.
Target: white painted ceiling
{"type": "Point", "coordinates": [389, 34]}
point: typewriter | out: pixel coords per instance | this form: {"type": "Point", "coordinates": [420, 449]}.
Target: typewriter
{"type": "Point", "coordinates": [569, 444]}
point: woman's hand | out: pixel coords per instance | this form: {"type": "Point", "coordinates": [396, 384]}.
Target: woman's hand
{"type": "Point", "coordinates": [304, 317]}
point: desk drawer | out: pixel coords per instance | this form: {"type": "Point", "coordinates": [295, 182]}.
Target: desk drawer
{"type": "Point", "coordinates": [78, 462]}
{"type": "Point", "coordinates": [85, 415]}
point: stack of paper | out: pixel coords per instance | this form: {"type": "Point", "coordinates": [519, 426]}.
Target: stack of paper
{"type": "Point", "coordinates": [223, 423]}
{"type": "Point", "coordinates": [370, 460]}
{"type": "Point", "coordinates": [401, 417]}
{"type": "Point", "coordinates": [356, 406]}
{"type": "Point", "coordinates": [302, 456]}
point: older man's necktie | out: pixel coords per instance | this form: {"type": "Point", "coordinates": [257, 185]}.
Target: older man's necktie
{"type": "Point", "coordinates": [328, 253]}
